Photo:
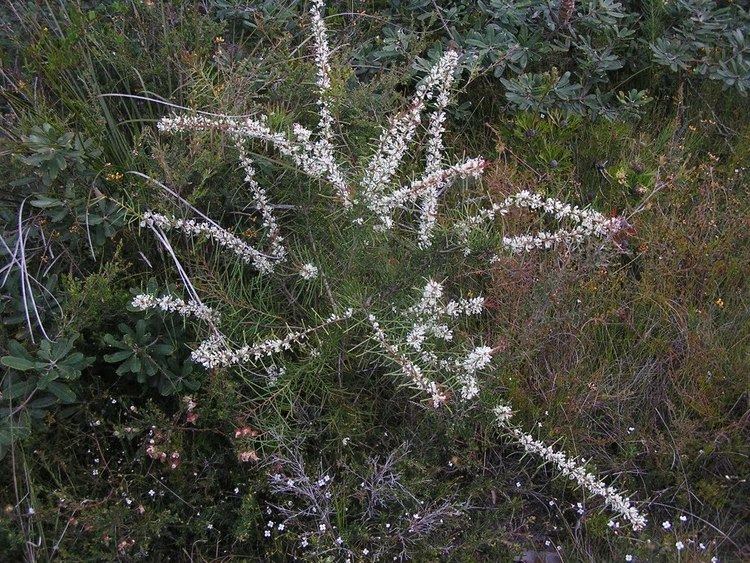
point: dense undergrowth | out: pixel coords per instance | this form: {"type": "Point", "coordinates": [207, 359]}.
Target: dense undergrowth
{"type": "Point", "coordinates": [630, 352]}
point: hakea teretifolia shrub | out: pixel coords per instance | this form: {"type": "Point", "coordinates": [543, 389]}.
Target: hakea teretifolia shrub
{"type": "Point", "coordinates": [374, 196]}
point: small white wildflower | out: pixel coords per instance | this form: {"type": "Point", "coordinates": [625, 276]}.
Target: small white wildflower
{"type": "Point", "coordinates": [683, 518]}
{"type": "Point", "coordinates": [322, 527]}
{"type": "Point", "coordinates": [666, 525]}
{"type": "Point", "coordinates": [308, 271]}
{"type": "Point", "coordinates": [679, 545]}
{"type": "Point", "coordinates": [267, 533]}
{"type": "Point", "coordinates": [628, 557]}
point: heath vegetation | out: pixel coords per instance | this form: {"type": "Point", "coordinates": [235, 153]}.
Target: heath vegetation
{"type": "Point", "coordinates": [374, 281]}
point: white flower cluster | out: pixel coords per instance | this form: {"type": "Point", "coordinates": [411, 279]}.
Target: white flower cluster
{"type": "Point", "coordinates": [316, 157]}
{"type": "Point", "coordinates": [308, 271]}
{"type": "Point", "coordinates": [412, 370]}
{"type": "Point", "coordinates": [324, 147]}
{"type": "Point", "coordinates": [571, 469]}
{"type": "Point", "coordinates": [588, 223]}
{"type": "Point", "coordinates": [170, 304]}
{"type": "Point", "coordinates": [429, 184]}
{"type": "Point", "coordinates": [426, 316]}
{"type": "Point", "coordinates": [434, 152]}
{"type": "Point", "coordinates": [503, 413]}
{"type": "Point", "coordinates": [394, 143]}
{"type": "Point", "coordinates": [219, 235]}
{"type": "Point", "coordinates": [310, 157]}
{"type": "Point", "coordinates": [479, 358]}
{"type": "Point", "coordinates": [274, 373]}
{"type": "Point", "coordinates": [215, 352]}
{"type": "Point", "coordinates": [476, 360]}
{"type": "Point", "coordinates": [277, 251]}
{"type": "Point", "coordinates": [322, 52]}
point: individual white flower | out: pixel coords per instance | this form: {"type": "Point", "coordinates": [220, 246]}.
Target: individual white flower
{"type": "Point", "coordinates": [666, 525]}
{"type": "Point", "coordinates": [679, 545]}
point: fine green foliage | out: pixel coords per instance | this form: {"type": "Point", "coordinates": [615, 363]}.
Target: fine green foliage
{"type": "Point", "coordinates": [630, 351]}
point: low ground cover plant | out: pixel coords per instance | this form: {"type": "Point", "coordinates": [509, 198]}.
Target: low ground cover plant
{"type": "Point", "coordinates": [272, 296]}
